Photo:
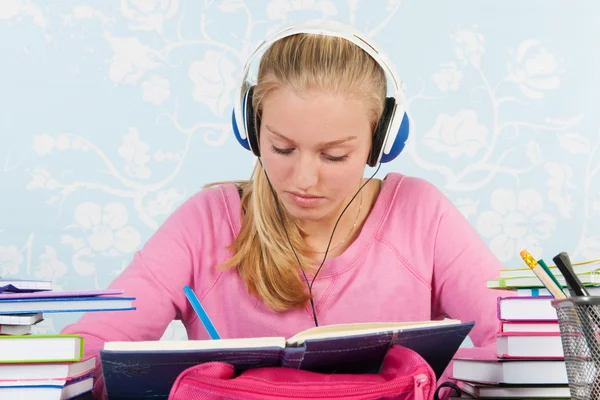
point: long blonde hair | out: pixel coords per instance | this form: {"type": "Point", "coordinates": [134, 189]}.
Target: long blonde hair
{"type": "Point", "coordinates": [261, 251]}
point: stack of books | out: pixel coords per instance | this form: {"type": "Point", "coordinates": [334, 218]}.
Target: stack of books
{"type": "Point", "coordinates": [528, 360]}
{"type": "Point", "coordinates": [46, 366]}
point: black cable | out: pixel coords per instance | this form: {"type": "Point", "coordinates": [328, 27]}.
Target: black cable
{"type": "Point", "coordinates": [310, 285]}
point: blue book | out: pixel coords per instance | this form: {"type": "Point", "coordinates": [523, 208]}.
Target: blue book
{"type": "Point", "coordinates": [147, 370]}
{"type": "Point", "coordinates": [32, 304]}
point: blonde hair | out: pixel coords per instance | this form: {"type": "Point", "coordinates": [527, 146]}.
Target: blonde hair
{"type": "Point", "coordinates": [261, 251]}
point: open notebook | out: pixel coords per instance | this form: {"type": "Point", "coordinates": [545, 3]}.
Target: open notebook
{"type": "Point", "coordinates": [147, 369]}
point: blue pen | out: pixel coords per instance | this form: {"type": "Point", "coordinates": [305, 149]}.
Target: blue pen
{"type": "Point", "coordinates": [210, 328]}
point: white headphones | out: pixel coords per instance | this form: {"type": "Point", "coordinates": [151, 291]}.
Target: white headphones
{"type": "Point", "coordinates": [393, 128]}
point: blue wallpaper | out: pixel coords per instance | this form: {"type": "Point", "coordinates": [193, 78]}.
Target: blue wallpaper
{"type": "Point", "coordinates": [113, 112]}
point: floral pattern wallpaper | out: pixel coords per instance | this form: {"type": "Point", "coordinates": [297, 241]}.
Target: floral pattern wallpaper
{"type": "Point", "coordinates": [114, 112]}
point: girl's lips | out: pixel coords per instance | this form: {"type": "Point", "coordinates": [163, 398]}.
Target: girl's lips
{"type": "Point", "coordinates": [304, 200]}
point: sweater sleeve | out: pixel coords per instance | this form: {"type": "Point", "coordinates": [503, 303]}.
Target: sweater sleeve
{"type": "Point", "coordinates": [462, 265]}
{"type": "Point", "coordinates": [155, 277]}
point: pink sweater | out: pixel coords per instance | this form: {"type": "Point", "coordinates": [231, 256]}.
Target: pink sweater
{"type": "Point", "coordinates": [417, 258]}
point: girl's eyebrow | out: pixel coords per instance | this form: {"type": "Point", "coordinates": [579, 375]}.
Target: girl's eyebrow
{"type": "Point", "coordinates": [325, 144]}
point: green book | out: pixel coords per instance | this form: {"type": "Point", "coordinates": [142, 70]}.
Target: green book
{"type": "Point", "coordinates": [20, 349]}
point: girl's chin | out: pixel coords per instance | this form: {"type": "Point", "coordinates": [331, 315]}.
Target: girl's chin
{"type": "Point", "coordinates": [308, 213]}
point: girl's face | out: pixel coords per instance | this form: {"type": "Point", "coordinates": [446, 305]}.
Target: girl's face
{"type": "Point", "coordinates": [314, 148]}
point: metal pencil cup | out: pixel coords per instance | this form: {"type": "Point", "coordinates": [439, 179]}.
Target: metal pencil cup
{"type": "Point", "coordinates": [579, 322]}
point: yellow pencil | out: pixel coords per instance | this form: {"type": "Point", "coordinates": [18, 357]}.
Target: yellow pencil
{"type": "Point", "coordinates": [542, 275]}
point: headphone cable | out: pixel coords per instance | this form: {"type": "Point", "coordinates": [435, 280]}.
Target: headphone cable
{"type": "Point", "coordinates": [310, 284]}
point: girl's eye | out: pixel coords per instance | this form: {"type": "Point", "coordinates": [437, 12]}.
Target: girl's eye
{"type": "Point", "coordinates": [286, 152]}
{"type": "Point", "coordinates": [336, 159]}
{"type": "Point", "coordinates": [281, 151]}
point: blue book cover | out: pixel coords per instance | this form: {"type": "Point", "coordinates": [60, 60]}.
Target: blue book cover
{"type": "Point", "coordinates": [18, 304]}
{"type": "Point", "coordinates": [147, 370]}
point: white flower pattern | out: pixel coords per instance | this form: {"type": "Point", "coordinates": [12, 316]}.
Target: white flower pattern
{"type": "Point", "coordinates": [149, 15]}
{"type": "Point", "coordinates": [469, 46]}
{"type": "Point", "coordinates": [43, 144]}
{"type": "Point", "coordinates": [516, 222]}
{"type": "Point", "coordinates": [574, 142]}
{"type": "Point", "coordinates": [131, 59]}
{"type": "Point", "coordinates": [448, 78]}
{"type": "Point", "coordinates": [279, 9]}
{"type": "Point", "coordinates": [535, 69]}
{"type": "Point", "coordinates": [10, 260]}
{"type": "Point", "coordinates": [213, 81]}
{"type": "Point", "coordinates": [164, 202]}
{"type": "Point", "coordinates": [105, 232]}
{"type": "Point", "coordinates": [156, 90]}
{"type": "Point", "coordinates": [49, 267]}
{"type": "Point", "coordinates": [458, 135]}
{"type": "Point", "coordinates": [115, 114]}
{"type": "Point", "coordinates": [134, 151]}
{"type": "Point", "coordinates": [10, 9]}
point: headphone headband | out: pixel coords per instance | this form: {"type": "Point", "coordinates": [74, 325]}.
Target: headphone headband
{"type": "Point", "coordinates": [334, 29]}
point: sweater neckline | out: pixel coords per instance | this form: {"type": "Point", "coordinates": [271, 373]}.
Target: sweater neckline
{"type": "Point", "coordinates": [352, 254]}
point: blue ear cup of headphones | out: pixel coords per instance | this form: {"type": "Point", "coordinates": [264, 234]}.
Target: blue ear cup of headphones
{"type": "Point", "coordinates": [399, 142]}
{"type": "Point", "coordinates": [247, 119]}
{"type": "Point", "coordinates": [381, 132]}
{"type": "Point", "coordinates": [236, 132]}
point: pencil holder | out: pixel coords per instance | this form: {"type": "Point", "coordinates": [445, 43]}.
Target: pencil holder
{"type": "Point", "coordinates": [579, 323]}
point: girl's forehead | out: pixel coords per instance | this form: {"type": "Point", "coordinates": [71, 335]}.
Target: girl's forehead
{"type": "Point", "coordinates": [318, 117]}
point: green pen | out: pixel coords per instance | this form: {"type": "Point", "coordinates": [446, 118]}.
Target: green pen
{"type": "Point", "coordinates": [550, 274]}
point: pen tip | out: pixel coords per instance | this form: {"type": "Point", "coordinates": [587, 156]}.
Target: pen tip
{"type": "Point", "coordinates": [562, 258]}
{"type": "Point", "coordinates": [565, 256]}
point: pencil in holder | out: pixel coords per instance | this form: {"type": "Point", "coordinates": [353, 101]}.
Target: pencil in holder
{"type": "Point", "coordinates": [579, 323]}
